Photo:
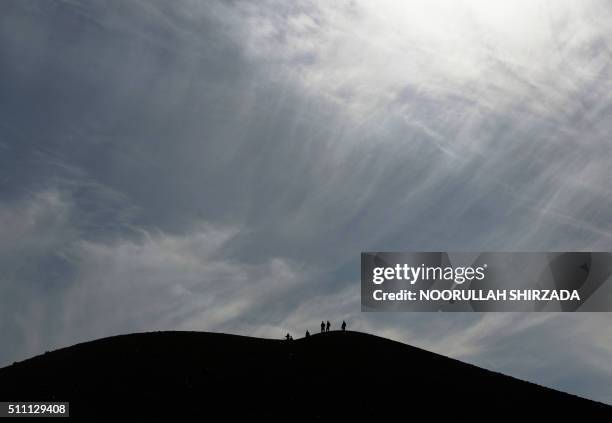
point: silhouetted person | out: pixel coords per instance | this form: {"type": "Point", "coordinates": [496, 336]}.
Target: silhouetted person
{"type": "Point", "coordinates": [307, 334]}
{"type": "Point", "coordinates": [288, 337]}
{"type": "Point", "coordinates": [327, 326]}
{"type": "Point", "coordinates": [343, 325]}
{"type": "Point", "coordinates": [322, 326]}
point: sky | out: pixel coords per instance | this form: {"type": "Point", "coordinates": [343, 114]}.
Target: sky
{"type": "Point", "coordinates": [220, 165]}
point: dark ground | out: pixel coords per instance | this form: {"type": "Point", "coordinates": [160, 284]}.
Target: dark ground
{"type": "Point", "coordinates": [200, 376]}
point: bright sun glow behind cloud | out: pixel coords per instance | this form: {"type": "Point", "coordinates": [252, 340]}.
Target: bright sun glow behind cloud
{"type": "Point", "coordinates": [364, 54]}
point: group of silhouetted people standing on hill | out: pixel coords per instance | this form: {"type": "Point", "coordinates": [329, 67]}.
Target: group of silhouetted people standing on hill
{"type": "Point", "coordinates": [324, 328]}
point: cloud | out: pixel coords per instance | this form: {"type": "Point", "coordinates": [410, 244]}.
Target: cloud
{"type": "Point", "coordinates": [221, 166]}
{"type": "Point", "coordinates": [151, 282]}
{"type": "Point", "coordinates": [165, 281]}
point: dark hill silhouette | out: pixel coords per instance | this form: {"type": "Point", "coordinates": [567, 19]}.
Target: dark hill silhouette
{"type": "Point", "coordinates": [335, 374]}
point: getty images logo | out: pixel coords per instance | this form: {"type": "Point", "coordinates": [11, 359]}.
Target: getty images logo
{"type": "Point", "coordinates": [413, 274]}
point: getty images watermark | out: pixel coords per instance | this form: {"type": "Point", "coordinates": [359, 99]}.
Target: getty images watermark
{"type": "Point", "coordinates": [444, 281]}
